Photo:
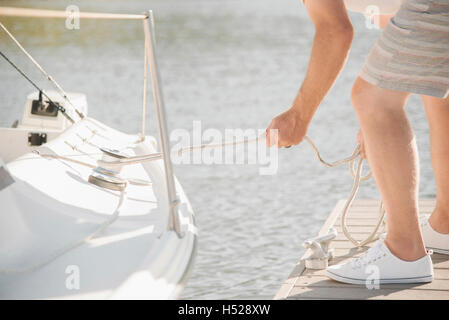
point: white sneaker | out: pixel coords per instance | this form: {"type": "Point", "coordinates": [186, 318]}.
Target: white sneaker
{"type": "Point", "coordinates": [380, 265]}
{"type": "Point", "coordinates": [438, 242]}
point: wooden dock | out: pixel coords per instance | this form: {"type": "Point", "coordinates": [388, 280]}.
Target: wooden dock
{"type": "Point", "coordinates": [313, 284]}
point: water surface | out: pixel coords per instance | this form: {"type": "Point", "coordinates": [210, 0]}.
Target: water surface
{"type": "Point", "coordinates": [230, 64]}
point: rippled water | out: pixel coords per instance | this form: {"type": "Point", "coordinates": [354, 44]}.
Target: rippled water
{"type": "Point", "coordinates": [230, 64]}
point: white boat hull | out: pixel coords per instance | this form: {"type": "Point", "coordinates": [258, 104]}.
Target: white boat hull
{"type": "Point", "coordinates": [51, 207]}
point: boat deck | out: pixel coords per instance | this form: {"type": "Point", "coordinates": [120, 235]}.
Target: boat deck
{"type": "Point", "coordinates": [313, 284]}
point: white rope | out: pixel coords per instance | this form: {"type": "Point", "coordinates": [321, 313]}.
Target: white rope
{"type": "Point", "coordinates": [49, 77]}
{"type": "Point", "coordinates": [217, 145]}
{"type": "Point", "coordinates": [350, 160]}
{"type": "Point", "coordinates": [357, 175]}
{"type": "Point", "coordinates": [71, 246]}
{"type": "Point", "coordinates": [56, 156]}
{"type": "Point", "coordinates": [355, 187]}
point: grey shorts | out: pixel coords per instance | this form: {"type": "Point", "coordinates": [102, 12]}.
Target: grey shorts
{"type": "Point", "coordinates": [412, 53]}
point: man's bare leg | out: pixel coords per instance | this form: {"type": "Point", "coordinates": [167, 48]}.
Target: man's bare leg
{"type": "Point", "coordinates": [438, 115]}
{"type": "Point", "coordinates": [392, 154]}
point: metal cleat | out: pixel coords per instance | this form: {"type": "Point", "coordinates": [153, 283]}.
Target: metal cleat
{"type": "Point", "coordinates": [320, 253]}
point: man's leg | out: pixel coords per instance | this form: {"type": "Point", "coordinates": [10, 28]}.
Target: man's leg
{"type": "Point", "coordinates": [438, 115]}
{"type": "Point", "coordinates": [392, 154]}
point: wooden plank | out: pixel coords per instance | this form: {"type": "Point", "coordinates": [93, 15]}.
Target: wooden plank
{"type": "Point", "coordinates": [284, 291]}
{"type": "Point", "coordinates": [354, 252]}
{"type": "Point", "coordinates": [362, 217]}
{"type": "Point", "coordinates": [441, 274]}
{"type": "Point", "coordinates": [356, 229]}
{"type": "Point", "coordinates": [356, 235]}
{"type": "Point", "coordinates": [374, 202]}
{"type": "Point", "coordinates": [324, 282]}
{"type": "Point", "coordinates": [330, 221]}
{"type": "Point", "coordinates": [341, 244]}
{"type": "Point", "coordinates": [297, 271]}
{"type": "Point", "coordinates": [350, 222]}
{"type": "Point", "coordinates": [373, 211]}
{"type": "Point", "coordinates": [363, 293]}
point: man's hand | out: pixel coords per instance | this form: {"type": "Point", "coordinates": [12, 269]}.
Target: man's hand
{"type": "Point", "coordinates": [291, 129]}
{"type": "Point", "coordinates": [332, 40]}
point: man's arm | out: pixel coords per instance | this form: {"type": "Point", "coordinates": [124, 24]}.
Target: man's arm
{"type": "Point", "coordinates": [332, 41]}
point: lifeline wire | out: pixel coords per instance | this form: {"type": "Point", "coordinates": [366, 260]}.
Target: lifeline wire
{"type": "Point", "coordinates": [57, 106]}
{"type": "Point", "coordinates": [49, 78]}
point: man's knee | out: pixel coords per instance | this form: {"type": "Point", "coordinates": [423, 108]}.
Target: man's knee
{"type": "Point", "coordinates": [370, 100]}
{"type": "Point", "coordinates": [362, 96]}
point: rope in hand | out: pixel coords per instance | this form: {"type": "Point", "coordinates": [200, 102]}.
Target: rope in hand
{"type": "Point", "coordinates": [357, 175]}
{"type": "Point", "coordinates": [355, 172]}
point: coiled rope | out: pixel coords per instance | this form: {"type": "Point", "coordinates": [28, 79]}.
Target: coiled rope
{"type": "Point", "coordinates": [356, 174]}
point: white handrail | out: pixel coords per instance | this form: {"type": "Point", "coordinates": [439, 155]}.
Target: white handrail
{"type": "Point", "coordinates": [144, 98]}
{"type": "Point", "coordinates": [174, 223]}
{"type": "Point", "coordinates": [40, 13]}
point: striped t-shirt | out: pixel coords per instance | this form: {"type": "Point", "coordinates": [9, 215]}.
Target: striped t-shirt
{"type": "Point", "coordinates": [382, 6]}
{"type": "Point", "coordinates": [363, 6]}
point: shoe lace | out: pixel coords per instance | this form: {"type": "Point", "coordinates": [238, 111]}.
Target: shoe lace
{"type": "Point", "coordinates": [373, 254]}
